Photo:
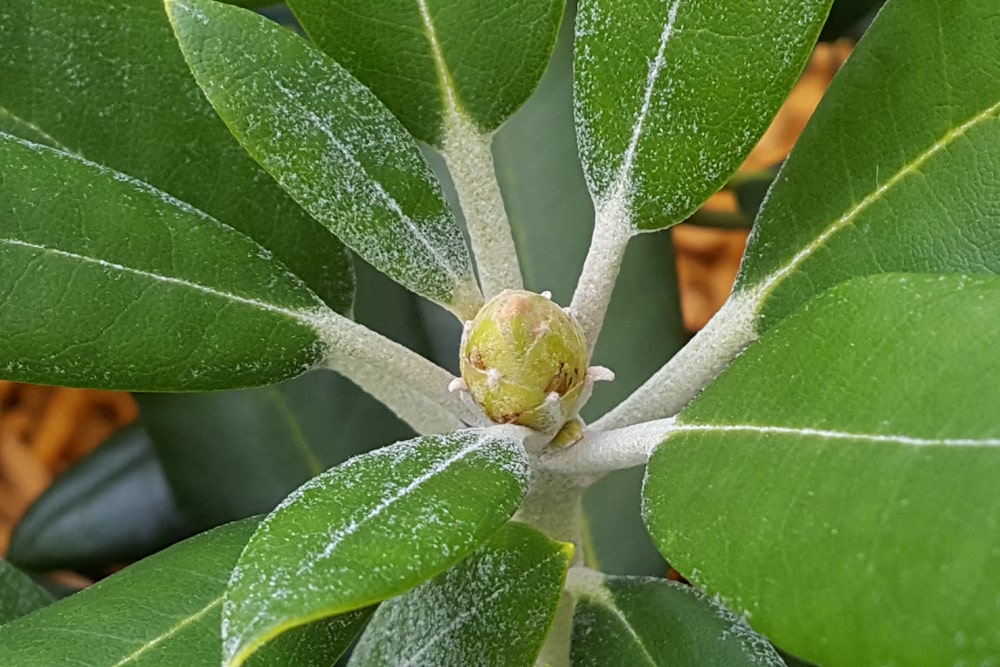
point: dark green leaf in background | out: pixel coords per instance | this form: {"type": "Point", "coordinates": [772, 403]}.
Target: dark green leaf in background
{"type": "Point", "coordinates": [370, 529]}
{"type": "Point", "coordinates": [105, 79]}
{"type": "Point", "coordinates": [331, 145]}
{"type": "Point", "coordinates": [495, 607]}
{"type": "Point", "coordinates": [111, 508]}
{"type": "Point", "coordinates": [671, 96]}
{"type": "Point", "coordinates": [232, 454]}
{"type": "Point", "coordinates": [838, 483]}
{"type": "Point", "coordinates": [643, 621]}
{"type": "Point", "coordinates": [19, 595]}
{"type": "Point", "coordinates": [107, 282]}
{"type": "Point", "coordinates": [113, 622]}
{"type": "Point", "coordinates": [898, 169]}
{"type": "Point", "coordinates": [483, 56]}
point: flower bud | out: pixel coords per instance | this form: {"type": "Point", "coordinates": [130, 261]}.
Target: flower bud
{"type": "Point", "coordinates": [524, 361]}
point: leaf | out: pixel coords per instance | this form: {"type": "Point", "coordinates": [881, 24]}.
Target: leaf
{"type": "Point", "coordinates": [671, 96]}
{"type": "Point", "coordinates": [476, 58]}
{"type": "Point", "coordinates": [494, 607]}
{"type": "Point", "coordinates": [645, 621]}
{"type": "Point", "coordinates": [106, 624]}
{"type": "Point", "coordinates": [278, 437]}
{"type": "Point", "coordinates": [889, 174]}
{"type": "Point", "coordinates": [19, 595]}
{"type": "Point", "coordinates": [370, 529]}
{"type": "Point", "coordinates": [112, 507]}
{"type": "Point", "coordinates": [110, 283]}
{"type": "Point", "coordinates": [331, 145]}
{"type": "Point", "coordinates": [837, 484]}
{"type": "Point", "coordinates": [108, 82]}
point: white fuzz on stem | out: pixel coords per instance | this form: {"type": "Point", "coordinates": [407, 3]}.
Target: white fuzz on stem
{"type": "Point", "coordinates": [612, 232]}
{"type": "Point", "coordinates": [698, 363]}
{"type": "Point", "coordinates": [600, 452]}
{"type": "Point", "coordinates": [416, 389]}
{"type": "Point", "coordinates": [470, 162]}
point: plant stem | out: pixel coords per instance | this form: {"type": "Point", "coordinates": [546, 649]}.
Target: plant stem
{"type": "Point", "coordinates": [554, 505]}
{"type": "Point", "coordinates": [601, 452]}
{"type": "Point", "coordinates": [692, 368]}
{"type": "Point", "coordinates": [407, 383]}
{"type": "Point", "coordinates": [470, 162]}
{"type": "Point", "coordinates": [600, 270]}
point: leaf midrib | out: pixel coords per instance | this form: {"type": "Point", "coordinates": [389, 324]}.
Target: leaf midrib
{"type": "Point", "coordinates": [170, 632]}
{"type": "Point", "coordinates": [299, 315]}
{"type": "Point", "coordinates": [766, 287]}
{"type": "Point", "coordinates": [836, 435]}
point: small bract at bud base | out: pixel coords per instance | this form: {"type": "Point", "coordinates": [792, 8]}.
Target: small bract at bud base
{"type": "Point", "coordinates": [524, 361]}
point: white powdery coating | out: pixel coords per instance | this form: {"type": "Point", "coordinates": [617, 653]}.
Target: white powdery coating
{"type": "Point", "coordinates": [325, 138]}
{"type": "Point", "coordinates": [706, 355]}
{"type": "Point", "coordinates": [488, 597]}
{"type": "Point", "coordinates": [600, 452]}
{"type": "Point", "coordinates": [592, 586]}
{"type": "Point", "coordinates": [289, 572]}
{"type": "Point", "coordinates": [470, 162]}
{"type": "Point", "coordinates": [413, 387]}
{"type": "Point", "coordinates": [610, 170]}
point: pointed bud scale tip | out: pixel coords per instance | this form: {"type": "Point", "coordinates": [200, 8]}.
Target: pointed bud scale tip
{"type": "Point", "coordinates": [524, 361]}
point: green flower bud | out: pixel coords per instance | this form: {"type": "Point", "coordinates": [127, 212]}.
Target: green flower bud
{"type": "Point", "coordinates": [524, 360]}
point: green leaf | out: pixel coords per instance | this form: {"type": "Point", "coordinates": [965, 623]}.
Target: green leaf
{"type": "Point", "coordinates": [644, 621]}
{"type": "Point", "coordinates": [371, 529]}
{"type": "Point", "coordinates": [112, 507]}
{"type": "Point", "coordinates": [890, 174]}
{"type": "Point", "coordinates": [837, 484]}
{"type": "Point", "coordinates": [429, 60]}
{"type": "Point", "coordinates": [551, 215]}
{"type": "Point", "coordinates": [107, 282]}
{"type": "Point", "coordinates": [108, 82]}
{"type": "Point", "coordinates": [331, 144]}
{"type": "Point", "coordinates": [107, 623]}
{"type": "Point", "coordinates": [671, 96]}
{"type": "Point", "coordinates": [277, 436]}
{"type": "Point", "coordinates": [19, 595]}
{"type": "Point", "coordinates": [495, 606]}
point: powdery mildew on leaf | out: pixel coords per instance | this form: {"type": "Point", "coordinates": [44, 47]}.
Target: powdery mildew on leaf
{"type": "Point", "coordinates": [185, 271]}
{"type": "Point", "coordinates": [493, 608]}
{"type": "Point", "coordinates": [692, 625]}
{"type": "Point", "coordinates": [371, 528]}
{"type": "Point", "coordinates": [330, 144]}
{"type": "Point", "coordinates": [671, 96]}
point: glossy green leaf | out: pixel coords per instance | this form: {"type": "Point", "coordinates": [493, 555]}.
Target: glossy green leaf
{"type": "Point", "coordinates": [551, 215]}
{"type": "Point", "coordinates": [896, 171]}
{"type": "Point", "coordinates": [671, 96]}
{"type": "Point", "coordinates": [107, 282]}
{"type": "Point", "coordinates": [19, 595]}
{"type": "Point", "coordinates": [113, 507]}
{"type": "Point", "coordinates": [113, 623]}
{"type": "Point", "coordinates": [429, 59]}
{"type": "Point", "coordinates": [371, 529]}
{"type": "Point", "coordinates": [277, 436]}
{"type": "Point", "coordinates": [331, 144]}
{"type": "Point", "coordinates": [108, 82]}
{"type": "Point", "coordinates": [837, 484]}
{"type": "Point", "coordinates": [645, 621]}
{"type": "Point", "coordinates": [494, 607]}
